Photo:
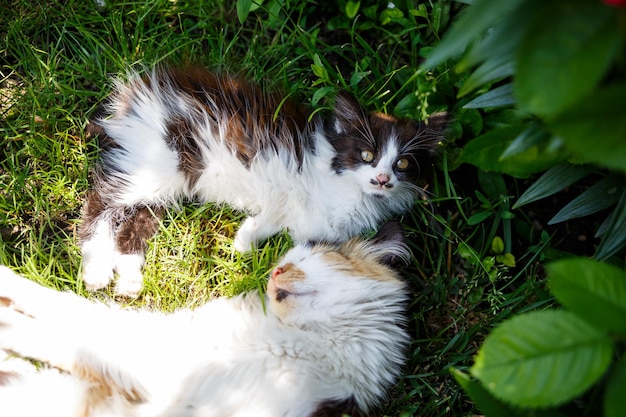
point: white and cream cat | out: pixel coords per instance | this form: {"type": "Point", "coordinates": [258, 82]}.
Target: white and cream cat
{"type": "Point", "coordinates": [327, 338]}
{"type": "Point", "coordinates": [190, 134]}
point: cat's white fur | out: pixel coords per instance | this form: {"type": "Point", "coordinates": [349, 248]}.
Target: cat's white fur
{"type": "Point", "coordinates": [337, 335]}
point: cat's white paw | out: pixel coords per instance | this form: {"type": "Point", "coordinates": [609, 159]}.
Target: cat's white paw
{"type": "Point", "coordinates": [97, 251]}
{"type": "Point", "coordinates": [243, 244]}
{"type": "Point", "coordinates": [252, 231]}
{"type": "Point", "coordinates": [129, 276]}
{"type": "Point", "coordinates": [245, 239]}
{"type": "Point", "coordinates": [97, 273]}
{"type": "Point", "coordinates": [129, 286]}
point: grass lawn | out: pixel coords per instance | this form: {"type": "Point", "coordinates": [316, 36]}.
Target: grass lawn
{"type": "Point", "coordinates": [56, 63]}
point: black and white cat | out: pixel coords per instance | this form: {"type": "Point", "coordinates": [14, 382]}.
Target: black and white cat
{"type": "Point", "coordinates": [191, 134]}
{"type": "Point", "coordinates": [328, 338]}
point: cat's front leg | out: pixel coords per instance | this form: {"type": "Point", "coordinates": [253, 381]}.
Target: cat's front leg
{"type": "Point", "coordinates": [35, 300]}
{"type": "Point", "coordinates": [98, 251]}
{"type": "Point", "coordinates": [68, 348]}
{"type": "Point", "coordinates": [129, 273]}
{"type": "Point", "coordinates": [253, 230]}
{"type": "Point", "coordinates": [97, 240]}
{"type": "Point", "coordinates": [37, 322]}
{"type": "Point", "coordinates": [64, 330]}
{"type": "Point", "coordinates": [130, 247]}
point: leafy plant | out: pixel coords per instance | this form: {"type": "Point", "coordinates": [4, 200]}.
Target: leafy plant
{"type": "Point", "coordinates": [560, 66]}
{"type": "Point", "coordinates": [607, 192]}
{"type": "Point", "coordinates": [559, 63]}
{"type": "Point", "coordinates": [546, 358]}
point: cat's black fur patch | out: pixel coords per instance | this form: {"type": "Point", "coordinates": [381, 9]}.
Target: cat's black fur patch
{"type": "Point", "coordinates": [255, 111]}
{"type": "Point", "coordinates": [136, 228]}
{"type": "Point", "coordinates": [180, 138]}
{"type": "Point", "coordinates": [338, 408]}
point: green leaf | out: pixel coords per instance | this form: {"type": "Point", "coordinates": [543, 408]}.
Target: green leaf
{"type": "Point", "coordinates": [243, 9]}
{"type": "Point", "coordinates": [501, 39]}
{"type": "Point", "coordinates": [552, 181]}
{"type": "Point", "coordinates": [478, 217]}
{"type": "Point", "coordinates": [595, 128]}
{"type": "Point", "coordinates": [435, 19]}
{"type": "Point", "coordinates": [486, 150]}
{"type": "Point", "coordinates": [420, 11]}
{"type": "Point", "coordinates": [466, 252]}
{"type": "Point", "coordinates": [499, 96]}
{"type": "Point", "coordinates": [352, 8]}
{"type": "Point", "coordinates": [599, 196]}
{"type": "Point", "coordinates": [488, 263]}
{"type": "Point", "coordinates": [507, 259]}
{"type": "Point", "coordinates": [474, 20]}
{"type": "Point", "coordinates": [595, 291]}
{"type": "Point", "coordinates": [390, 15]}
{"type": "Point", "coordinates": [604, 226]}
{"type": "Point", "coordinates": [614, 238]}
{"type": "Point", "coordinates": [542, 358]}
{"type": "Point", "coordinates": [491, 70]}
{"type": "Point", "coordinates": [565, 52]}
{"type": "Point", "coordinates": [497, 245]}
{"type": "Point", "coordinates": [318, 67]}
{"type": "Point", "coordinates": [533, 135]}
{"type": "Point", "coordinates": [470, 118]}
{"type": "Point", "coordinates": [274, 9]}
{"type": "Point", "coordinates": [614, 404]}
{"type": "Point", "coordinates": [321, 93]}
{"type": "Point", "coordinates": [492, 184]}
{"type": "Point", "coordinates": [491, 406]}
{"type": "Point", "coordinates": [407, 106]}
{"type": "Point", "coordinates": [357, 77]}
{"type": "Point", "coordinates": [484, 200]}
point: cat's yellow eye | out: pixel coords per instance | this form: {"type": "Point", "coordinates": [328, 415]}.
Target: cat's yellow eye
{"type": "Point", "coordinates": [402, 164]}
{"type": "Point", "coordinates": [367, 156]}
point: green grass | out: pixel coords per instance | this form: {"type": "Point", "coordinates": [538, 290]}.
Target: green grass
{"type": "Point", "coordinates": [56, 62]}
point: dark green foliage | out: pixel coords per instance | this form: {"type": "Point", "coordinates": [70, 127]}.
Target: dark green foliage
{"type": "Point", "coordinates": [562, 64]}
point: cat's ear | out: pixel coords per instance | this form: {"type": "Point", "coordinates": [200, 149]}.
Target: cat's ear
{"type": "Point", "coordinates": [432, 131]}
{"type": "Point", "coordinates": [347, 112]}
{"type": "Point", "coordinates": [391, 246]}
{"type": "Point", "coordinates": [437, 125]}
{"type": "Point", "coordinates": [439, 121]}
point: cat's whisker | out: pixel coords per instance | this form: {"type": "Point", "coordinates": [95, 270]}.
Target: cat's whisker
{"type": "Point", "coordinates": [420, 142]}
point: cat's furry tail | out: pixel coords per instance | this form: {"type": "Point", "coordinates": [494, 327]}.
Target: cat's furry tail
{"type": "Point", "coordinates": [389, 247]}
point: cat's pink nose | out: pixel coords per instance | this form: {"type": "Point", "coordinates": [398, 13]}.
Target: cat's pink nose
{"type": "Point", "coordinates": [277, 271]}
{"type": "Point", "coordinates": [382, 179]}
